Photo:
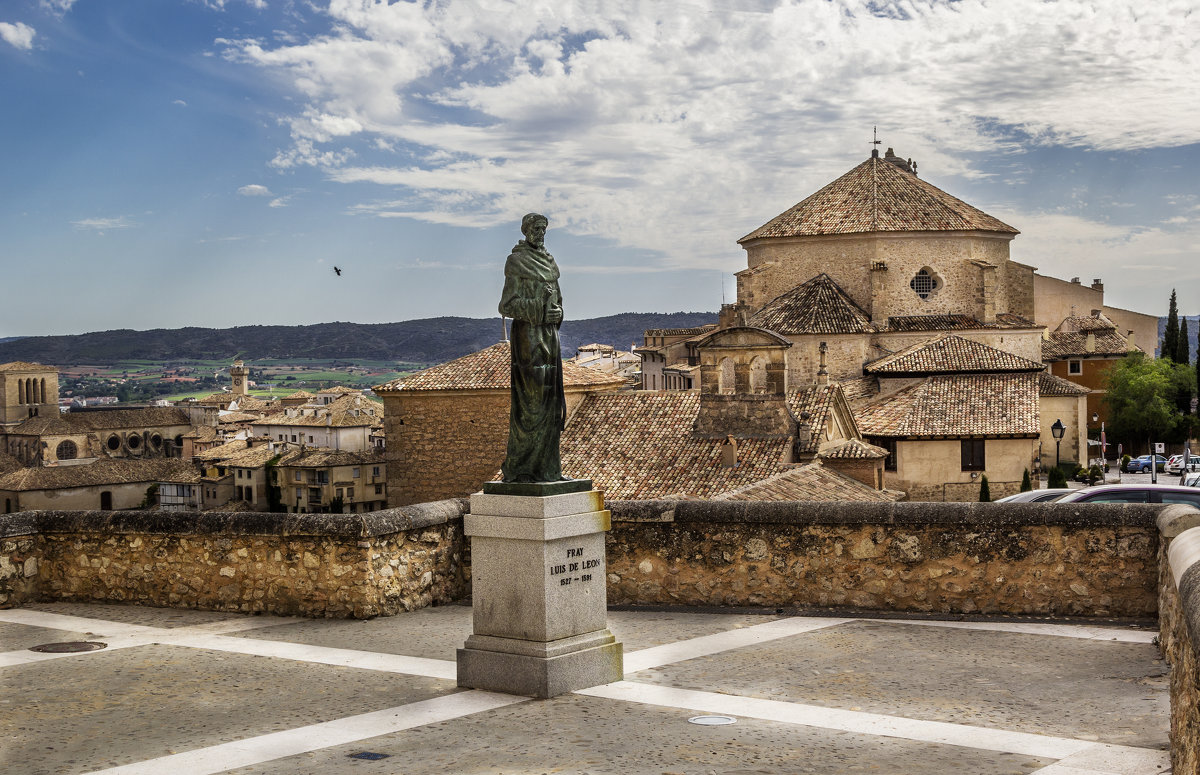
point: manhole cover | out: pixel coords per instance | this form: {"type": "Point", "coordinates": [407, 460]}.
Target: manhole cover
{"type": "Point", "coordinates": [370, 755]}
{"type": "Point", "coordinates": [712, 721]}
{"type": "Point", "coordinates": [69, 647]}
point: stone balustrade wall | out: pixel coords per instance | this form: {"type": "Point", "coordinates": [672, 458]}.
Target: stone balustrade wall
{"type": "Point", "coordinates": [948, 558]}
{"type": "Point", "coordinates": [1179, 630]}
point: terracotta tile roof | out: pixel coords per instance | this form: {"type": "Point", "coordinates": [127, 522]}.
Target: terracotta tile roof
{"type": "Point", "coordinates": [639, 445]}
{"type": "Point", "coordinates": [816, 401]}
{"type": "Point", "coordinates": [349, 411]}
{"type": "Point", "coordinates": [254, 404]}
{"type": "Point", "coordinates": [693, 331]}
{"type": "Point", "coordinates": [859, 389]}
{"type": "Point", "coordinates": [183, 476]}
{"type": "Point", "coordinates": [954, 322]}
{"type": "Point", "coordinates": [1073, 344]}
{"type": "Point", "coordinates": [301, 394]}
{"type": "Point", "coordinates": [339, 390]}
{"type": "Point", "coordinates": [1098, 322]}
{"type": "Point", "coordinates": [102, 420]}
{"type": "Point", "coordinates": [316, 457]}
{"type": "Point", "coordinates": [24, 366]}
{"type": "Point", "coordinates": [236, 417]}
{"type": "Point", "coordinates": [811, 482]}
{"type": "Point", "coordinates": [8, 463]}
{"type": "Point", "coordinates": [102, 472]}
{"type": "Point", "coordinates": [850, 449]}
{"type": "Point", "coordinates": [878, 196]}
{"type": "Point", "coordinates": [818, 306]}
{"type": "Point", "coordinates": [488, 369]}
{"type": "Point", "coordinates": [215, 398]}
{"type": "Point", "coordinates": [950, 354]}
{"type": "Point", "coordinates": [1050, 385]}
{"type": "Point", "coordinates": [957, 405]}
{"type": "Point", "coordinates": [239, 454]}
{"type": "Point", "coordinates": [202, 434]}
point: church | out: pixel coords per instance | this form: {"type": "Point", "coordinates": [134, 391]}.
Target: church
{"type": "Point", "coordinates": [905, 298]}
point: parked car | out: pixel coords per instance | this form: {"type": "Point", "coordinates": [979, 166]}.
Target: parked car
{"type": "Point", "coordinates": [1191, 480]}
{"type": "Point", "coordinates": [1175, 464]}
{"type": "Point", "coordinates": [1135, 493]}
{"type": "Point", "coordinates": [1141, 465]}
{"type": "Point", "coordinates": [1036, 496]}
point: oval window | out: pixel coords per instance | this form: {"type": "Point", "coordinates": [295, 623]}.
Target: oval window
{"type": "Point", "coordinates": [134, 441]}
{"type": "Point", "coordinates": [156, 441]}
{"type": "Point", "coordinates": [113, 443]}
{"type": "Point", "coordinates": [66, 450]}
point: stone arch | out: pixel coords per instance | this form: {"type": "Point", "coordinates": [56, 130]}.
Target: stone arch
{"type": "Point", "coordinates": [726, 380]}
{"type": "Point", "coordinates": [758, 374]}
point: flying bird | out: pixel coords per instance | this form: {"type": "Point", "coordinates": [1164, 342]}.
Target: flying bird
{"type": "Point", "coordinates": [337, 270]}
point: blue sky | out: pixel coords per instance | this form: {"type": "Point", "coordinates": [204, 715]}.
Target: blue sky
{"type": "Point", "coordinates": [207, 162]}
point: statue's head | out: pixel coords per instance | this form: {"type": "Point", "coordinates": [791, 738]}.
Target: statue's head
{"type": "Point", "coordinates": [533, 226]}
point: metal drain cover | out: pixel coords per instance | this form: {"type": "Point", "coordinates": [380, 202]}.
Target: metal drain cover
{"type": "Point", "coordinates": [69, 646]}
{"type": "Point", "coordinates": [712, 721]}
{"type": "Point", "coordinates": [369, 755]}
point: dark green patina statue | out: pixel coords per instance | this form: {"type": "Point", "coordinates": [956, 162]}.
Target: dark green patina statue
{"type": "Point", "coordinates": [538, 415]}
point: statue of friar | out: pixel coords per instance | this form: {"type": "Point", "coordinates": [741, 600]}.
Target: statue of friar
{"type": "Point", "coordinates": [532, 299]}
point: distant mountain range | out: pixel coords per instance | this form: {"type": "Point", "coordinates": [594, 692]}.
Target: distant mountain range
{"type": "Point", "coordinates": [431, 340]}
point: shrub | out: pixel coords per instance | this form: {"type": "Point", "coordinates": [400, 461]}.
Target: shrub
{"type": "Point", "coordinates": [1057, 479]}
{"type": "Point", "coordinates": [1026, 482]}
{"type": "Point", "coordinates": [1095, 475]}
{"type": "Point", "coordinates": [1125, 462]}
{"type": "Point", "coordinates": [985, 493]}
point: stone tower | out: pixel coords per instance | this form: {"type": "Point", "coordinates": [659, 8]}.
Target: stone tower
{"type": "Point", "coordinates": [27, 390]}
{"type": "Point", "coordinates": [239, 372]}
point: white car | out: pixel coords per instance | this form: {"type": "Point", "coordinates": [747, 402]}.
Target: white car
{"type": "Point", "coordinates": [1036, 496]}
{"type": "Point", "coordinates": [1192, 480]}
{"type": "Point", "coordinates": [1175, 464]}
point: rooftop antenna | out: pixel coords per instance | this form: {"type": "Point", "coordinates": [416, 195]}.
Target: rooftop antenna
{"type": "Point", "coordinates": [875, 141]}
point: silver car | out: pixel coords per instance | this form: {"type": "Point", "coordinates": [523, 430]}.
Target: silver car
{"type": "Point", "coordinates": [1036, 496]}
{"type": "Point", "coordinates": [1135, 493]}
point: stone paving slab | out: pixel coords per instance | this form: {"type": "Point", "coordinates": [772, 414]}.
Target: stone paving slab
{"type": "Point", "coordinates": [435, 633]}
{"type": "Point", "coordinates": [107, 708]}
{"type": "Point", "coordinates": [136, 614]}
{"type": "Point", "coordinates": [578, 735]}
{"type": "Point", "coordinates": [23, 636]}
{"type": "Point", "coordinates": [1085, 689]}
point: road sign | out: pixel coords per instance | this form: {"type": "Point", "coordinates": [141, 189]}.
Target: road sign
{"type": "Point", "coordinates": [1160, 447]}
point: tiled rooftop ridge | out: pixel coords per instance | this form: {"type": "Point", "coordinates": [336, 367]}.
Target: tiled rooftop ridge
{"type": "Point", "coordinates": [950, 354]}
{"type": "Point", "coordinates": [816, 306]}
{"type": "Point", "coordinates": [878, 195]}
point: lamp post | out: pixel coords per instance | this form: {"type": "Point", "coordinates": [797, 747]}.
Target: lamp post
{"type": "Point", "coordinates": [1057, 430]}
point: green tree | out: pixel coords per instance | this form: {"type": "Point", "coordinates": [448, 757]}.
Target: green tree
{"type": "Point", "coordinates": [1183, 348]}
{"type": "Point", "coordinates": [1142, 398]}
{"type": "Point", "coordinates": [985, 493]}
{"type": "Point", "coordinates": [1026, 482]}
{"type": "Point", "coordinates": [1057, 480]}
{"type": "Point", "coordinates": [1170, 340]}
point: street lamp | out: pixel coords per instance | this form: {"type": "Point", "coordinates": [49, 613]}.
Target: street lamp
{"type": "Point", "coordinates": [1057, 430]}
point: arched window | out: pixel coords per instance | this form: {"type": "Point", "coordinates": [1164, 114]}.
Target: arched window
{"type": "Point", "coordinates": [43, 390]}
{"type": "Point", "coordinates": [725, 377]}
{"type": "Point", "coordinates": [21, 391]}
{"type": "Point", "coordinates": [758, 374]}
{"type": "Point", "coordinates": [66, 450]}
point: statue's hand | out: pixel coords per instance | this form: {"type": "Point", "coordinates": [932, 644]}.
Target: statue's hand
{"type": "Point", "coordinates": [554, 314]}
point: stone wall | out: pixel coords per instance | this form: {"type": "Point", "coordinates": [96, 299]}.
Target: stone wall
{"type": "Point", "coordinates": [323, 565]}
{"type": "Point", "coordinates": [1080, 560]}
{"type": "Point", "coordinates": [18, 560]}
{"type": "Point", "coordinates": [1179, 630]}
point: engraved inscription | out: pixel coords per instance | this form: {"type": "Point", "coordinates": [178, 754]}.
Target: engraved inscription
{"type": "Point", "coordinates": [572, 569]}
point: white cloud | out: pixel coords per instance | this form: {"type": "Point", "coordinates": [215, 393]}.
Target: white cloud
{"type": "Point", "coordinates": [57, 7]}
{"type": "Point", "coordinates": [181, 103]}
{"type": "Point", "coordinates": [254, 189]}
{"type": "Point", "coordinates": [281, 201]}
{"type": "Point", "coordinates": [678, 128]}
{"type": "Point", "coordinates": [102, 225]}
{"type": "Point", "coordinates": [19, 35]}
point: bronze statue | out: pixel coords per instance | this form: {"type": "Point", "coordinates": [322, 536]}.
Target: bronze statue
{"type": "Point", "coordinates": [532, 299]}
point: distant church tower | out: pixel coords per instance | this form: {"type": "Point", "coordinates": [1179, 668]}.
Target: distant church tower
{"type": "Point", "coordinates": [239, 373]}
{"type": "Point", "coordinates": [27, 390]}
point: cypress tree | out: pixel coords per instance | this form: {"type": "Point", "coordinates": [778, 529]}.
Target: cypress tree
{"type": "Point", "coordinates": [1026, 482]}
{"type": "Point", "coordinates": [1183, 352]}
{"type": "Point", "coordinates": [1170, 340]}
{"type": "Point", "coordinates": [985, 492]}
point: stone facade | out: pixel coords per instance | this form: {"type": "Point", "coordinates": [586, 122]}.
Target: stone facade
{"type": "Point", "coordinates": [915, 557]}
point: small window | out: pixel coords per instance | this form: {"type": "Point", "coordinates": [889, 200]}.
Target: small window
{"type": "Point", "coordinates": [375, 471]}
{"type": "Point", "coordinates": [298, 479]}
{"type": "Point", "coordinates": [379, 489]}
{"type": "Point", "coordinates": [1074, 367]}
{"type": "Point", "coordinates": [340, 492]}
{"type": "Point", "coordinates": [354, 473]}
{"type": "Point", "coordinates": [310, 439]}
{"type": "Point", "coordinates": [925, 283]}
{"type": "Point", "coordinates": [972, 455]}
{"type": "Point", "coordinates": [889, 462]}
{"type": "Point", "coordinates": [350, 493]}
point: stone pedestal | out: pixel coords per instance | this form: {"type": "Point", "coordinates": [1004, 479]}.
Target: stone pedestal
{"type": "Point", "coordinates": [538, 590]}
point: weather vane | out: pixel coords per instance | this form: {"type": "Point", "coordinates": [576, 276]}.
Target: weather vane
{"type": "Point", "coordinates": [875, 136]}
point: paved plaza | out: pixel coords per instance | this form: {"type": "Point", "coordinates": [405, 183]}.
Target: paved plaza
{"type": "Point", "coordinates": [190, 692]}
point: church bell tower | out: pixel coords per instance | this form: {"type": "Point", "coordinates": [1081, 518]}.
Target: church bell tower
{"type": "Point", "coordinates": [239, 372]}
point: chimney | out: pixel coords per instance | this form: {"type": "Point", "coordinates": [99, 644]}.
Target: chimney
{"type": "Point", "coordinates": [1098, 285]}
{"type": "Point", "coordinates": [1090, 344]}
{"type": "Point", "coordinates": [729, 452]}
{"type": "Point", "coordinates": [1131, 337]}
{"type": "Point", "coordinates": [1096, 313]}
{"type": "Point", "coordinates": [1075, 280]}
{"type": "Point", "coordinates": [804, 430]}
{"type": "Point", "coordinates": [822, 372]}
